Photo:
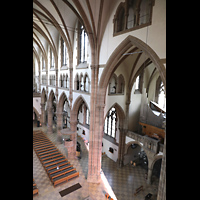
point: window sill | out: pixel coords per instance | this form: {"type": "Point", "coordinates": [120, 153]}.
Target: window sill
{"type": "Point", "coordinates": [137, 91]}
{"type": "Point", "coordinates": [63, 88]}
{"type": "Point", "coordinates": [115, 94]}
{"type": "Point", "coordinates": [81, 91]}
{"type": "Point", "coordinates": [131, 29]}
{"type": "Point", "coordinates": [83, 65]}
{"type": "Point", "coordinates": [52, 69]}
{"type": "Point", "coordinates": [84, 125]}
{"type": "Point", "coordinates": [64, 67]}
{"type": "Point", "coordinates": [110, 139]}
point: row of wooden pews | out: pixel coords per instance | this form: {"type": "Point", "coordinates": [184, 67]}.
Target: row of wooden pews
{"type": "Point", "coordinates": [35, 189]}
{"type": "Point", "coordinates": [54, 162]}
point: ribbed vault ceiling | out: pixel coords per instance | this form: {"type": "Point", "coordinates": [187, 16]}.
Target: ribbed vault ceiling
{"type": "Point", "coordinates": [52, 18]}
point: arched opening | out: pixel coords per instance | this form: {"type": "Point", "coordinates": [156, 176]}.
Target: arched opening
{"type": "Point", "coordinates": [119, 54]}
{"type": "Point", "coordinates": [36, 118]}
{"type": "Point", "coordinates": [83, 118]}
{"type": "Point", "coordinates": [61, 81]}
{"type": "Point", "coordinates": [44, 112]}
{"type": "Point", "coordinates": [76, 82]}
{"type": "Point", "coordinates": [113, 135]}
{"type": "Point", "coordinates": [52, 118]}
{"type": "Point", "coordinates": [121, 20]}
{"type": "Point", "coordinates": [86, 83]}
{"type": "Point", "coordinates": [144, 56]}
{"type": "Point", "coordinates": [156, 170]}
{"type": "Point", "coordinates": [81, 82]}
{"type": "Point", "coordinates": [132, 154]}
{"type": "Point", "coordinates": [75, 110]}
{"type": "Point", "coordinates": [54, 112]}
{"type": "Point", "coordinates": [67, 81]}
{"type": "Point", "coordinates": [120, 84]}
{"type": "Point", "coordinates": [66, 114]}
{"type": "Point", "coordinates": [110, 125]}
{"type": "Point", "coordinates": [113, 85]}
{"type": "Point", "coordinates": [63, 112]}
{"type": "Point", "coordinates": [135, 155]}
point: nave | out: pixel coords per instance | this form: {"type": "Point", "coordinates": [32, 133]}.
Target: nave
{"type": "Point", "coordinates": [118, 182]}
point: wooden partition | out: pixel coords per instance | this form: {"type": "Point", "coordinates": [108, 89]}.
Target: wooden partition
{"type": "Point", "coordinates": [54, 162]}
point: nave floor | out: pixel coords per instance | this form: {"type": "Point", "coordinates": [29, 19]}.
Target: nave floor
{"type": "Point", "coordinates": [120, 183]}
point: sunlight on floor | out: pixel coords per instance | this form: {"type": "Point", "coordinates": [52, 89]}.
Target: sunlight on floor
{"type": "Point", "coordinates": [107, 185]}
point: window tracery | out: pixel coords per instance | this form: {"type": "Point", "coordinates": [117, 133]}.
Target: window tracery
{"type": "Point", "coordinates": [110, 123]}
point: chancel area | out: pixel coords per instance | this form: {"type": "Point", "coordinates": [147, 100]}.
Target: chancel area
{"type": "Point", "coordinates": [99, 99]}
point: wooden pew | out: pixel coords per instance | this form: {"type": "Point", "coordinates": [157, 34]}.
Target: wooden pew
{"type": "Point", "coordinates": [65, 178]}
{"type": "Point", "coordinates": [52, 158]}
{"type": "Point", "coordinates": [49, 154]}
{"type": "Point", "coordinates": [108, 196]}
{"type": "Point", "coordinates": [138, 190]}
{"type": "Point", "coordinates": [35, 189]}
{"type": "Point", "coordinates": [53, 162]}
{"type": "Point", "coordinates": [57, 164]}
{"type": "Point", "coordinates": [60, 168]}
{"type": "Point", "coordinates": [44, 151]}
{"type": "Point", "coordinates": [43, 148]}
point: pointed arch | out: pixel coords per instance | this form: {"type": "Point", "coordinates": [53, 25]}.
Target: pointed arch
{"type": "Point", "coordinates": [130, 143]}
{"type": "Point", "coordinates": [86, 81]}
{"type": "Point", "coordinates": [36, 112]}
{"type": "Point", "coordinates": [120, 114]}
{"type": "Point", "coordinates": [120, 84]}
{"type": "Point", "coordinates": [117, 55]}
{"type": "Point", "coordinates": [62, 99]}
{"type": "Point", "coordinates": [76, 82]}
{"type": "Point", "coordinates": [157, 157]}
{"type": "Point", "coordinates": [51, 97]}
{"type": "Point", "coordinates": [74, 111]}
{"type": "Point", "coordinates": [113, 84]}
{"type": "Point", "coordinates": [43, 96]}
{"type": "Point", "coordinates": [119, 109]}
{"type": "Point", "coordinates": [81, 82]}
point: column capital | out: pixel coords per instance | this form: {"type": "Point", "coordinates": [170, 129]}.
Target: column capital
{"type": "Point", "coordinates": [50, 109]}
{"type": "Point", "coordinates": [123, 130]}
{"type": "Point", "coordinates": [42, 105]}
{"type": "Point", "coordinates": [94, 66]}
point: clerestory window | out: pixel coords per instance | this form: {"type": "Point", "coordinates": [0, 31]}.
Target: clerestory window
{"type": "Point", "coordinates": [83, 45]}
{"type": "Point", "coordinates": [64, 53]}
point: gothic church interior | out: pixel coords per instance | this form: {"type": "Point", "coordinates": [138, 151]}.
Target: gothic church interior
{"type": "Point", "coordinates": [99, 92]}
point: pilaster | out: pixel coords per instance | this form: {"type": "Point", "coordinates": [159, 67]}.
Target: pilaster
{"type": "Point", "coordinates": [50, 120]}
{"type": "Point", "coordinates": [59, 126]}
{"type": "Point", "coordinates": [71, 85]}
{"type": "Point", "coordinates": [43, 114]}
{"type": "Point", "coordinates": [149, 175]}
